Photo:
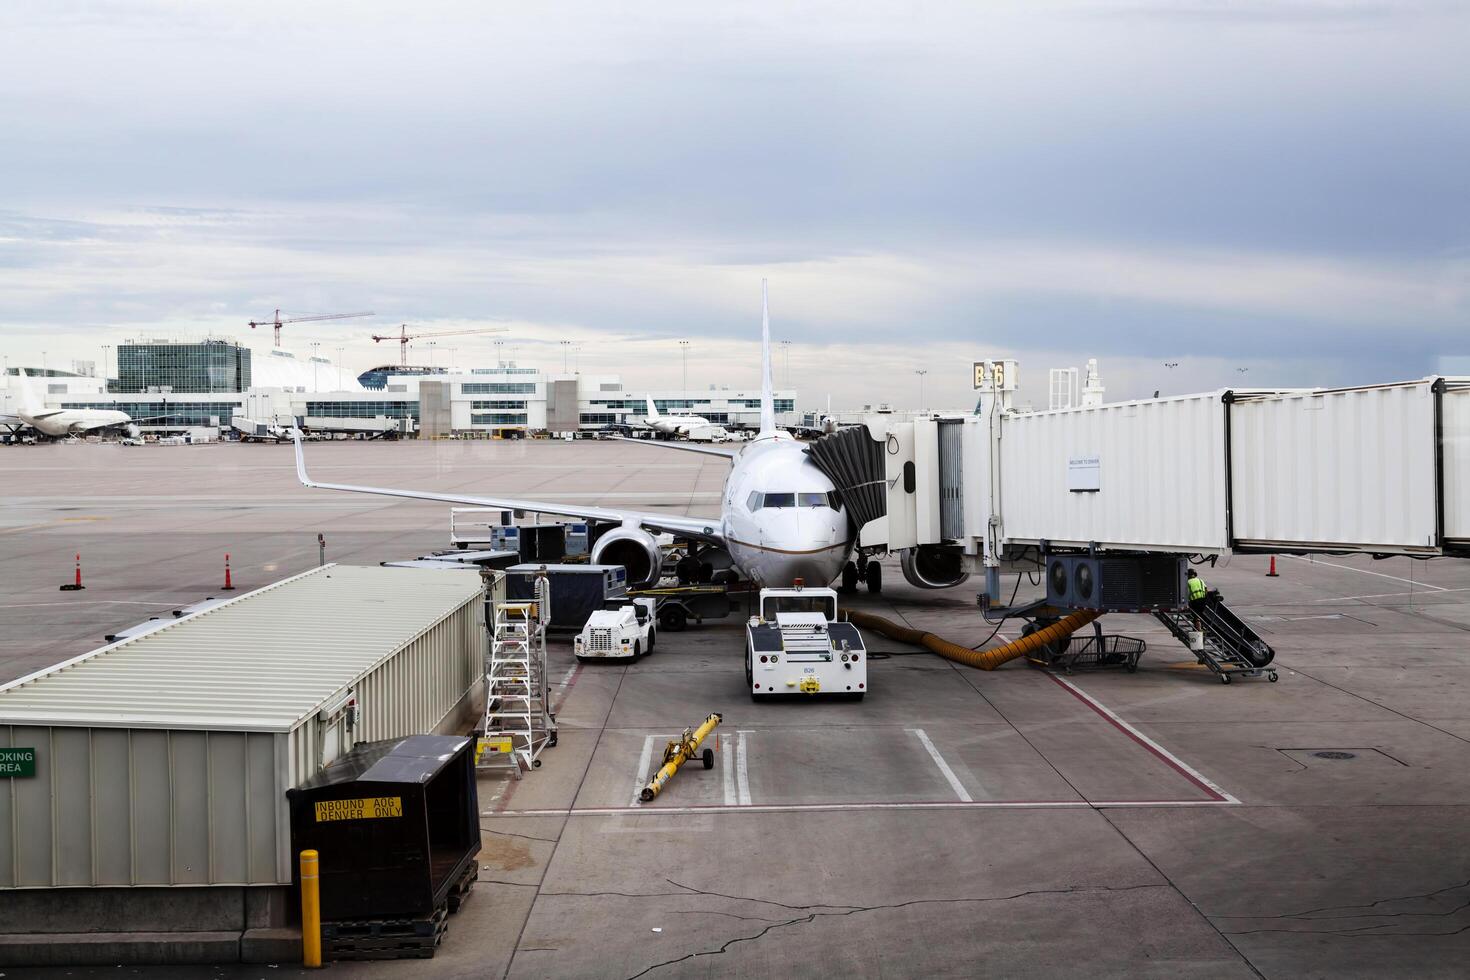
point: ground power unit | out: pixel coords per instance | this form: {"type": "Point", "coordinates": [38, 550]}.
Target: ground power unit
{"type": "Point", "coordinates": [1117, 583]}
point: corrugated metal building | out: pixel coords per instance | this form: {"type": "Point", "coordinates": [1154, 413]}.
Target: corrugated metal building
{"type": "Point", "coordinates": [164, 760]}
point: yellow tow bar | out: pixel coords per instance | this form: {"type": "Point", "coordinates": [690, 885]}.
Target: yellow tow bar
{"type": "Point", "coordinates": [680, 751]}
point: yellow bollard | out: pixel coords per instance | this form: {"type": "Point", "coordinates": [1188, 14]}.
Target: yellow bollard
{"type": "Point", "coordinates": [311, 911]}
{"type": "Point", "coordinates": [679, 751]}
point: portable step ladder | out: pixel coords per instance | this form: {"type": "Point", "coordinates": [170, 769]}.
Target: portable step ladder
{"type": "Point", "coordinates": [1221, 641]}
{"type": "Point", "coordinates": [518, 720]}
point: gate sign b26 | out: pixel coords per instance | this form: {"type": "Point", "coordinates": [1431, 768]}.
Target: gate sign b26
{"type": "Point", "coordinates": [18, 763]}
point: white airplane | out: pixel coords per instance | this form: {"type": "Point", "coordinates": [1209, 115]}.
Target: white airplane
{"type": "Point", "coordinates": [780, 517]}
{"type": "Point", "coordinates": [680, 425]}
{"type": "Point", "coordinates": [60, 423]}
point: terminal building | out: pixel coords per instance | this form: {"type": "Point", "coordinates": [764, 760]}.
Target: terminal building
{"type": "Point", "coordinates": [204, 384]}
{"type": "Point", "coordinates": [204, 366]}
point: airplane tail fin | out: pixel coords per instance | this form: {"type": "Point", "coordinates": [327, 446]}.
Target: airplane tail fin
{"type": "Point", "coordinates": [768, 397]}
{"type": "Point", "coordinates": [652, 409]}
{"type": "Point", "coordinates": [29, 401]}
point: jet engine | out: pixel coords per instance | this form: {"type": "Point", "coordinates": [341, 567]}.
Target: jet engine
{"type": "Point", "coordinates": [933, 567]}
{"type": "Point", "coordinates": [133, 431]}
{"type": "Point", "coordinates": [633, 548]}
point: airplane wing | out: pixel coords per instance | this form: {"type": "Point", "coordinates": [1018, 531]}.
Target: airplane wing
{"type": "Point", "coordinates": [701, 528]}
{"type": "Point", "coordinates": [687, 447]}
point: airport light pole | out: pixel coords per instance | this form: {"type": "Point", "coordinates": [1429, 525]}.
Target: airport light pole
{"type": "Point", "coordinates": [106, 361]}
{"type": "Point", "coordinates": [339, 368]}
{"type": "Point", "coordinates": [786, 362]}
{"type": "Point", "coordinates": [499, 353]}
{"type": "Point", "coordinates": [921, 372]}
{"type": "Point", "coordinates": [684, 353]}
{"type": "Point", "coordinates": [432, 345]}
{"type": "Point", "coordinates": [564, 345]}
{"type": "Point", "coordinates": [315, 346]}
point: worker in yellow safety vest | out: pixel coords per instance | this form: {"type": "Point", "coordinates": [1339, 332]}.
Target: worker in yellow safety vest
{"type": "Point", "coordinates": [1197, 590]}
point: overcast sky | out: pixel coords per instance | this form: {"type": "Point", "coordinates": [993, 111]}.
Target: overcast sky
{"type": "Point", "coordinates": [1278, 186]}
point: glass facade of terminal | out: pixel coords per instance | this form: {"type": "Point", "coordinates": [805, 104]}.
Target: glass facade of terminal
{"type": "Point", "coordinates": [499, 418]}
{"type": "Point", "coordinates": [363, 410]}
{"type": "Point", "coordinates": [498, 388]}
{"type": "Point", "coordinates": [376, 379]}
{"type": "Point", "coordinates": [205, 366]}
{"type": "Point", "coordinates": [169, 413]}
{"type": "Point", "coordinates": [484, 406]}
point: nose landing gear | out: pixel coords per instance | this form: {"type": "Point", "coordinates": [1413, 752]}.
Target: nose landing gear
{"type": "Point", "coordinates": [869, 571]}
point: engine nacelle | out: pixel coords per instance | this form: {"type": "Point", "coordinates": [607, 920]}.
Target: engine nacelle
{"type": "Point", "coordinates": [633, 548]}
{"type": "Point", "coordinates": [932, 567]}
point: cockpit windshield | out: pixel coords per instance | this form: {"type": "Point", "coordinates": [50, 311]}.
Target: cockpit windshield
{"type": "Point", "coordinates": [760, 500]}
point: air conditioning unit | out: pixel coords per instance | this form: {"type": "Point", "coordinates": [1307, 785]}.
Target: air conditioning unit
{"type": "Point", "coordinates": [1126, 583]}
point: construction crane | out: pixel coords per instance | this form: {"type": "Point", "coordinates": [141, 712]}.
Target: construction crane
{"type": "Point", "coordinates": [302, 319]}
{"type": "Point", "coordinates": [403, 337]}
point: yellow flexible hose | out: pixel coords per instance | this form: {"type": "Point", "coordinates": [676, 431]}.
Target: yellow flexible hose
{"type": "Point", "coordinates": [984, 659]}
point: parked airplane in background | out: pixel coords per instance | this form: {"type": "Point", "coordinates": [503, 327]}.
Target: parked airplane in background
{"type": "Point", "coordinates": [59, 423]}
{"type": "Point", "coordinates": [695, 427]}
{"type": "Point", "coordinates": [780, 517]}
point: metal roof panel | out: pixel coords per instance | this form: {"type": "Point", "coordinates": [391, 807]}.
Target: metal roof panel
{"type": "Point", "coordinates": [262, 661]}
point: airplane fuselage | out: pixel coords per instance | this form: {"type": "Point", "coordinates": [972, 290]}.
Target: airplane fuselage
{"type": "Point", "coordinates": [676, 424]}
{"type": "Point", "coordinates": [781, 517]}
{"type": "Point", "coordinates": [74, 421]}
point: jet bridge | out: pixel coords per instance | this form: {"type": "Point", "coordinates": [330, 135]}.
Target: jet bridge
{"type": "Point", "coordinates": [1379, 469]}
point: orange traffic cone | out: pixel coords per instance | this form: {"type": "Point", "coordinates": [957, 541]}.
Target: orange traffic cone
{"type": "Point", "coordinates": [229, 586]}
{"type": "Point", "coordinates": [1272, 572]}
{"type": "Point", "coordinates": [76, 585]}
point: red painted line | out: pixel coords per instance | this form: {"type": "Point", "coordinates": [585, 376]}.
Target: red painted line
{"type": "Point", "coordinates": [566, 691]}
{"type": "Point", "coordinates": [504, 801]}
{"type": "Point", "coordinates": [1151, 750]}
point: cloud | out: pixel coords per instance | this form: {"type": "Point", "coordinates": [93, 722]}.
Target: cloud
{"type": "Point", "coordinates": [1281, 187]}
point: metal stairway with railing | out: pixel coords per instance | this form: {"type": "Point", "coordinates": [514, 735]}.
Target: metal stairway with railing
{"type": "Point", "coordinates": [1220, 640]}
{"type": "Point", "coordinates": [518, 721]}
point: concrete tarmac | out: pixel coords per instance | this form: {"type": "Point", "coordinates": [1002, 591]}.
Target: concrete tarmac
{"type": "Point", "coordinates": [955, 822]}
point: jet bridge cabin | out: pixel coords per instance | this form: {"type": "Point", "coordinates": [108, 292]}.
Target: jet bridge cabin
{"type": "Point", "coordinates": [1379, 469]}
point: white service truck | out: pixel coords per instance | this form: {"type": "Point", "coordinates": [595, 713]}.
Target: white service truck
{"type": "Point", "coordinates": [624, 629]}
{"type": "Point", "coordinates": [796, 645]}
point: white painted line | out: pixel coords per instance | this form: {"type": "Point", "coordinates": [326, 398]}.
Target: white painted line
{"type": "Point", "coordinates": [727, 768]}
{"type": "Point", "coordinates": [1350, 568]}
{"type": "Point", "coordinates": [954, 781]}
{"type": "Point", "coordinates": [618, 811]}
{"type": "Point", "coordinates": [567, 677]}
{"type": "Point", "coordinates": [86, 602]}
{"type": "Point", "coordinates": [1164, 753]}
{"type": "Point", "coordinates": [1379, 595]}
{"type": "Point", "coordinates": [742, 769]}
{"type": "Point", "coordinates": [640, 778]}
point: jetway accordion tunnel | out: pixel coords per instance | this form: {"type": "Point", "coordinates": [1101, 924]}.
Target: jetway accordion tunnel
{"type": "Point", "coordinates": [983, 659]}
